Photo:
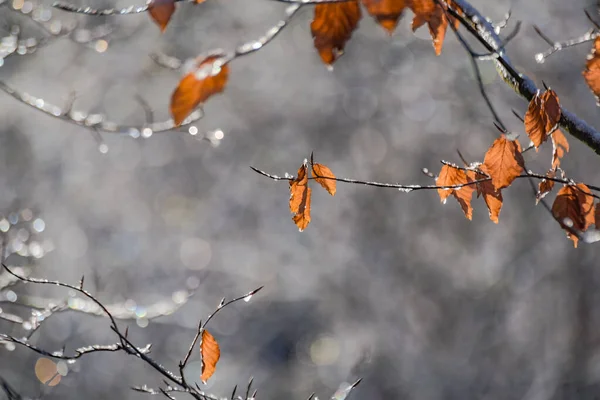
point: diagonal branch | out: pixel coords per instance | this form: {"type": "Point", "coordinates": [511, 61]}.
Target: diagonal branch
{"type": "Point", "coordinates": [484, 32]}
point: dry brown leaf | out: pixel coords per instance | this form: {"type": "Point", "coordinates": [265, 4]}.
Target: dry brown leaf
{"type": "Point", "coordinates": [451, 176]}
{"type": "Point", "coordinates": [302, 218]}
{"type": "Point", "coordinates": [545, 186]}
{"type": "Point", "coordinates": [210, 352]}
{"type": "Point", "coordinates": [430, 12]}
{"type": "Point", "coordinates": [503, 162]}
{"type": "Point", "coordinates": [573, 208]}
{"type": "Point", "coordinates": [332, 27]}
{"type": "Point", "coordinates": [597, 216]}
{"type": "Point", "coordinates": [320, 170]}
{"type": "Point", "coordinates": [209, 78]}
{"type": "Point", "coordinates": [491, 196]}
{"type": "Point", "coordinates": [386, 12]}
{"type": "Point", "coordinates": [161, 12]}
{"type": "Point", "coordinates": [592, 69]}
{"type": "Point", "coordinates": [560, 146]}
{"type": "Point", "coordinates": [300, 195]}
{"type": "Point", "coordinates": [297, 188]}
{"type": "Point", "coordinates": [542, 116]}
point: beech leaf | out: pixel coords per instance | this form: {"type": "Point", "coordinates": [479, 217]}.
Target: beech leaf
{"type": "Point", "coordinates": [210, 352]}
{"type": "Point", "coordinates": [560, 146]}
{"type": "Point", "coordinates": [332, 26]}
{"type": "Point", "coordinates": [573, 208]}
{"type": "Point", "coordinates": [432, 13]}
{"type": "Point", "coordinates": [542, 116]}
{"type": "Point", "coordinates": [491, 196]}
{"type": "Point", "coordinates": [320, 172]}
{"type": "Point", "coordinates": [503, 162]}
{"type": "Point", "coordinates": [161, 11]}
{"type": "Point", "coordinates": [300, 195]}
{"type": "Point", "coordinates": [386, 12]}
{"type": "Point", "coordinates": [451, 176]}
{"type": "Point", "coordinates": [545, 186]}
{"type": "Point", "coordinates": [208, 78]}
{"type": "Point", "coordinates": [592, 69]}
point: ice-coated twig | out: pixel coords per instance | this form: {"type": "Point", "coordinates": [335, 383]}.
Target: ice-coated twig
{"type": "Point", "coordinates": [100, 12]}
{"type": "Point", "coordinates": [558, 46]}
{"type": "Point", "coordinates": [202, 325]}
{"type": "Point", "coordinates": [97, 121]}
{"type": "Point", "coordinates": [246, 48]}
{"type": "Point", "coordinates": [411, 188]}
{"type": "Point", "coordinates": [125, 344]}
{"type": "Point", "coordinates": [254, 45]}
{"type": "Point", "coordinates": [78, 353]}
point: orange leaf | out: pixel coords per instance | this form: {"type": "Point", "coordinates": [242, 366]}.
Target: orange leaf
{"type": "Point", "coordinates": [430, 12]}
{"type": "Point", "coordinates": [332, 27]}
{"type": "Point", "coordinates": [592, 69]}
{"type": "Point", "coordinates": [302, 218]}
{"type": "Point", "coordinates": [324, 171]}
{"type": "Point", "coordinates": [297, 188]}
{"type": "Point", "coordinates": [560, 145]}
{"type": "Point", "coordinates": [542, 116]}
{"type": "Point", "coordinates": [451, 176]}
{"type": "Point", "coordinates": [386, 12]}
{"type": "Point", "coordinates": [503, 162]}
{"type": "Point", "coordinates": [573, 208]}
{"type": "Point", "coordinates": [161, 12]}
{"type": "Point", "coordinates": [209, 78]}
{"type": "Point", "coordinates": [210, 352]}
{"type": "Point", "coordinates": [545, 186]}
{"type": "Point", "coordinates": [300, 198]}
{"type": "Point", "coordinates": [491, 196]}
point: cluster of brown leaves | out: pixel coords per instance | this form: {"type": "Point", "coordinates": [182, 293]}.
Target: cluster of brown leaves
{"type": "Point", "coordinates": [592, 69]}
{"type": "Point", "coordinates": [333, 23]}
{"type": "Point", "coordinates": [332, 26]}
{"type": "Point", "coordinates": [573, 206]}
{"type": "Point", "coordinates": [502, 164]}
{"type": "Point", "coordinates": [300, 192]}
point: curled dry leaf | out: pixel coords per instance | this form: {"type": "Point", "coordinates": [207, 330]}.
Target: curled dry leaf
{"type": "Point", "coordinates": [542, 116]}
{"type": "Point", "coordinates": [332, 27]}
{"type": "Point", "coordinates": [210, 352]}
{"type": "Point", "coordinates": [386, 12]}
{"type": "Point", "coordinates": [321, 173]}
{"type": "Point", "coordinates": [209, 78]}
{"type": "Point", "coordinates": [545, 186]}
{"type": "Point", "coordinates": [503, 162]}
{"type": "Point", "coordinates": [573, 208]}
{"type": "Point", "coordinates": [592, 69]}
{"type": "Point", "coordinates": [560, 146]}
{"type": "Point", "coordinates": [451, 176]}
{"type": "Point", "coordinates": [597, 216]}
{"type": "Point", "coordinates": [300, 198]}
{"type": "Point", "coordinates": [161, 12]}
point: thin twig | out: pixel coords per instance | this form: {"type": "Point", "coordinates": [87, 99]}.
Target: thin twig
{"type": "Point", "coordinates": [558, 46]}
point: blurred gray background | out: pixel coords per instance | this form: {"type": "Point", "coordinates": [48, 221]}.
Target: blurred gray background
{"type": "Point", "coordinates": [392, 287]}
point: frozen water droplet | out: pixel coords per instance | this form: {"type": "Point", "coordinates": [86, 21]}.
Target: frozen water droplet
{"type": "Point", "coordinates": [247, 298]}
{"type": "Point", "coordinates": [539, 57]}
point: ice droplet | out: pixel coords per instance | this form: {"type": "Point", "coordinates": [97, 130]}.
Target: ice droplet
{"type": "Point", "coordinates": [539, 57]}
